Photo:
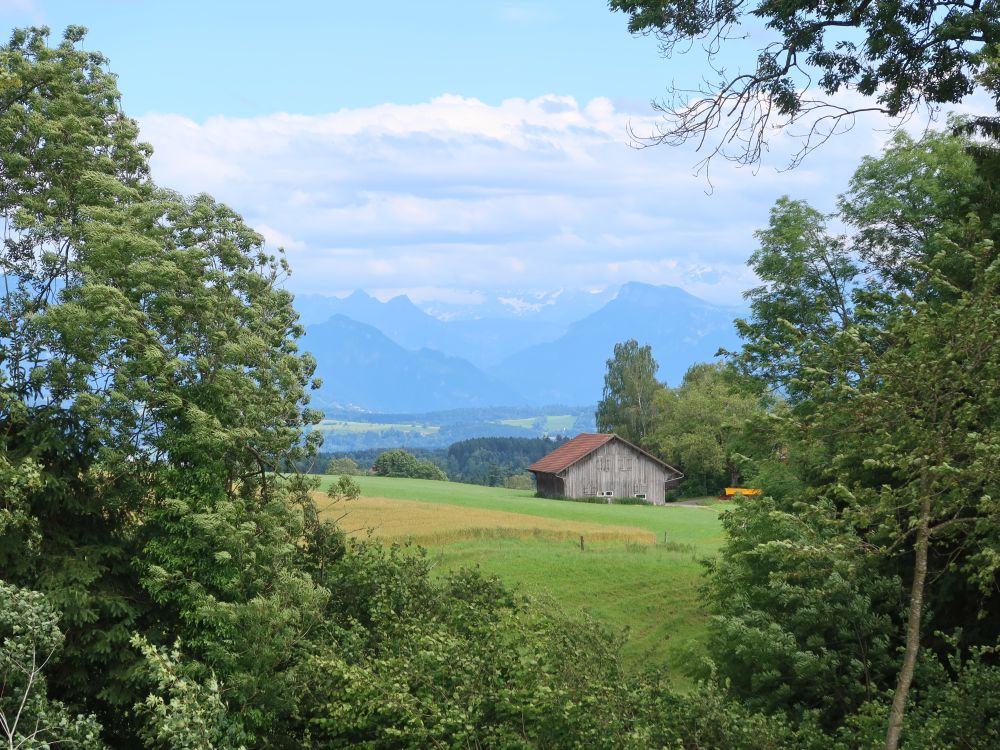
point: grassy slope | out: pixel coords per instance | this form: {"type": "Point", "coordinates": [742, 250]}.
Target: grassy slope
{"type": "Point", "coordinates": [652, 590]}
{"type": "Point", "coordinates": [436, 524]}
{"type": "Point", "coordinates": [553, 423]}
{"type": "Point", "coordinates": [335, 426]}
{"type": "Point", "coordinates": [683, 524]}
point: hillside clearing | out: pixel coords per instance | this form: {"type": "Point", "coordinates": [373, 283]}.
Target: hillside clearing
{"type": "Point", "coordinates": [341, 426]}
{"type": "Point", "coordinates": [546, 423]}
{"type": "Point", "coordinates": [629, 574]}
{"type": "Point", "coordinates": [698, 525]}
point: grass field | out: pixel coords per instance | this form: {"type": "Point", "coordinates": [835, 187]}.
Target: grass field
{"type": "Point", "coordinates": [551, 423]}
{"type": "Point", "coordinates": [626, 575]}
{"type": "Point", "coordinates": [335, 426]}
{"type": "Point", "coordinates": [435, 523]}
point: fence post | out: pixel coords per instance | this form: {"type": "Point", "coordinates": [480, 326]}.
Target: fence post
{"type": "Point", "coordinates": [581, 542]}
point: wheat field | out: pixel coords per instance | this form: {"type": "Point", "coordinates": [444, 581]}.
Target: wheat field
{"type": "Point", "coordinates": [431, 523]}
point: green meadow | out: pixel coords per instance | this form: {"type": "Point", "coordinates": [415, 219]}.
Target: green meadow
{"type": "Point", "coordinates": [335, 426]}
{"type": "Point", "coordinates": [646, 581]}
{"type": "Point", "coordinates": [547, 423]}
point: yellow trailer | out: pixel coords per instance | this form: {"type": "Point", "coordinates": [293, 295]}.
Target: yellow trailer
{"type": "Point", "coordinates": [730, 492]}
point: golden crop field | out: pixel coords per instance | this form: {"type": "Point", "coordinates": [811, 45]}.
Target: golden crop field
{"type": "Point", "coordinates": [433, 523]}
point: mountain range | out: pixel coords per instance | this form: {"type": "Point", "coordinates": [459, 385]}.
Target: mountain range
{"type": "Point", "coordinates": [394, 356]}
{"type": "Point", "coordinates": [360, 366]}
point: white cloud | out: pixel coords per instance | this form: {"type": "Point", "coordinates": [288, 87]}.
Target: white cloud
{"type": "Point", "coordinates": [277, 238]}
{"type": "Point", "coordinates": [21, 7]}
{"type": "Point", "coordinates": [452, 195]}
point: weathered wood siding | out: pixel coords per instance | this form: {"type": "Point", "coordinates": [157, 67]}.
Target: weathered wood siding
{"type": "Point", "coordinates": [549, 485]}
{"type": "Point", "coordinates": [618, 468]}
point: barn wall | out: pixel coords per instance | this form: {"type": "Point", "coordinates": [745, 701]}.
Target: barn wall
{"type": "Point", "coordinates": [549, 484]}
{"type": "Point", "coordinates": [617, 467]}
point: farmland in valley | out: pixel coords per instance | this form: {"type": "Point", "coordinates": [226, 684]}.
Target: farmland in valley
{"type": "Point", "coordinates": [337, 426]}
{"type": "Point", "coordinates": [551, 423]}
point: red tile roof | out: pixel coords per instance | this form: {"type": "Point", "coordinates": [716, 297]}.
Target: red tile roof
{"type": "Point", "coordinates": [569, 452]}
{"type": "Point", "coordinates": [582, 445]}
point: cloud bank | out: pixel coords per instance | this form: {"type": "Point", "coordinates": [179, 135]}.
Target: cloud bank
{"type": "Point", "coordinates": [468, 198]}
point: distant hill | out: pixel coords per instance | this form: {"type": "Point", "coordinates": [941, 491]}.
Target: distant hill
{"type": "Point", "coordinates": [392, 356]}
{"type": "Point", "coordinates": [681, 328]}
{"type": "Point", "coordinates": [483, 341]}
{"type": "Point", "coordinates": [361, 366]}
{"type": "Point", "coordinates": [561, 306]}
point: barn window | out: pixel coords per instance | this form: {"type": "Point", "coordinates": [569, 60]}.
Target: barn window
{"type": "Point", "coordinates": [641, 495]}
{"type": "Point", "coordinates": [608, 493]}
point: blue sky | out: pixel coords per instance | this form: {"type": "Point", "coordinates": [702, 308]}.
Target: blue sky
{"type": "Point", "coordinates": [448, 150]}
{"type": "Point", "coordinates": [254, 58]}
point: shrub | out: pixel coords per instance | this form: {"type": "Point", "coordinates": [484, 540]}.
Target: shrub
{"type": "Point", "coordinates": [519, 482]}
{"type": "Point", "coordinates": [601, 500]}
{"type": "Point", "coordinates": [343, 467]}
{"type": "Point", "coordinates": [401, 463]}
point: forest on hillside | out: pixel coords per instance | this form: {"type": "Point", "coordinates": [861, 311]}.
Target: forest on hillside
{"type": "Point", "coordinates": [488, 461]}
{"type": "Point", "coordinates": [166, 583]}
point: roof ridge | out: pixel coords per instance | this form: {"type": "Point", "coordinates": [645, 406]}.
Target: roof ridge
{"type": "Point", "coordinates": [581, 446]}
{"type": "Point", "coordinates": [571, 451]}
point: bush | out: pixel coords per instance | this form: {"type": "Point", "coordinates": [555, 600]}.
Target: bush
{"type": "Point", "coordinates": [400, 463]}
{"type": "Point", "coordinates": [519, 482]}
{"type": "Point", "coordinates": [629, 501]}
{"type": "Point", "coordinates": [343, 467]}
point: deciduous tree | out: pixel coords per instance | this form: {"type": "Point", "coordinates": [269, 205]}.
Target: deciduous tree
{"type": "Point", "coordinates": [628, 406]}
{"type": "Point", "coordinates": [895, 414]}
{"type": "Point", "coordinates": [701, 427]}
{"type": "Point", "coordinates": [897, 55]}
{"type": "Point", "coordinates": [150, 386]}
{"type": "Point", "coordinates": [30, 640]}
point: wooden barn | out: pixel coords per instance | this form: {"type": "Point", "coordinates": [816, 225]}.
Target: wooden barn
{"type": "Point", "coordinates": [603, 466]}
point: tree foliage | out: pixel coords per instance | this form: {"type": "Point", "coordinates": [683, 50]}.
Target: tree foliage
{"type": "Point", "coordinates": [492, 461]}
{"type": "Point", "coordinates": [628, 405]}
{"type": "Point", "coordinates": [803, 615]}
{"type": "Point", "coordinates": [344, 466]}
{"type": "Point", "coordinates": [149, 385]}
{"type": "Point", "coordinates": [899, 56]}
{"type": "Point", "coordinates": [893, 423]}
{"type": "Point", "coordinates": [703, 427]}
{"type": "Point", "coordinates": [30, 640]}
{"type": "Point", "coordinates": [401, 463]}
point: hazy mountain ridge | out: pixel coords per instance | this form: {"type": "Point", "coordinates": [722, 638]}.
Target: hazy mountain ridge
{"type": "Point", "coordinates": [361, 366]}
{"type": "Point", "coordinates": [484, 342]}
{"type": "Point", "coordinates": [681, 328]}
{"type": "Point", "coordinates": [386, 362]}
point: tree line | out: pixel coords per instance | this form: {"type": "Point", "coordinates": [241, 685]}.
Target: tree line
{"type": "Point", "coordinates": [489, 461]}
{"type": "Point", "coordinates": [707, 426]}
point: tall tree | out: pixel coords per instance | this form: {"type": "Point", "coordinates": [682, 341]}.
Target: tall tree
{"type": "Point", "coordinates": [701, 427]}
{"type": "Point", "coordinates": [804, 301]}
{"type": "Point", "coordinates": [898, 55]}
{"type": "Point", "coordinates": [895, 413]}
{"type": "Point", "coordinates": [928, 420]}
{"type": "Point", "coordinates": [150, 386]}
{"type": "Point", "coordinates": [628, 406]}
